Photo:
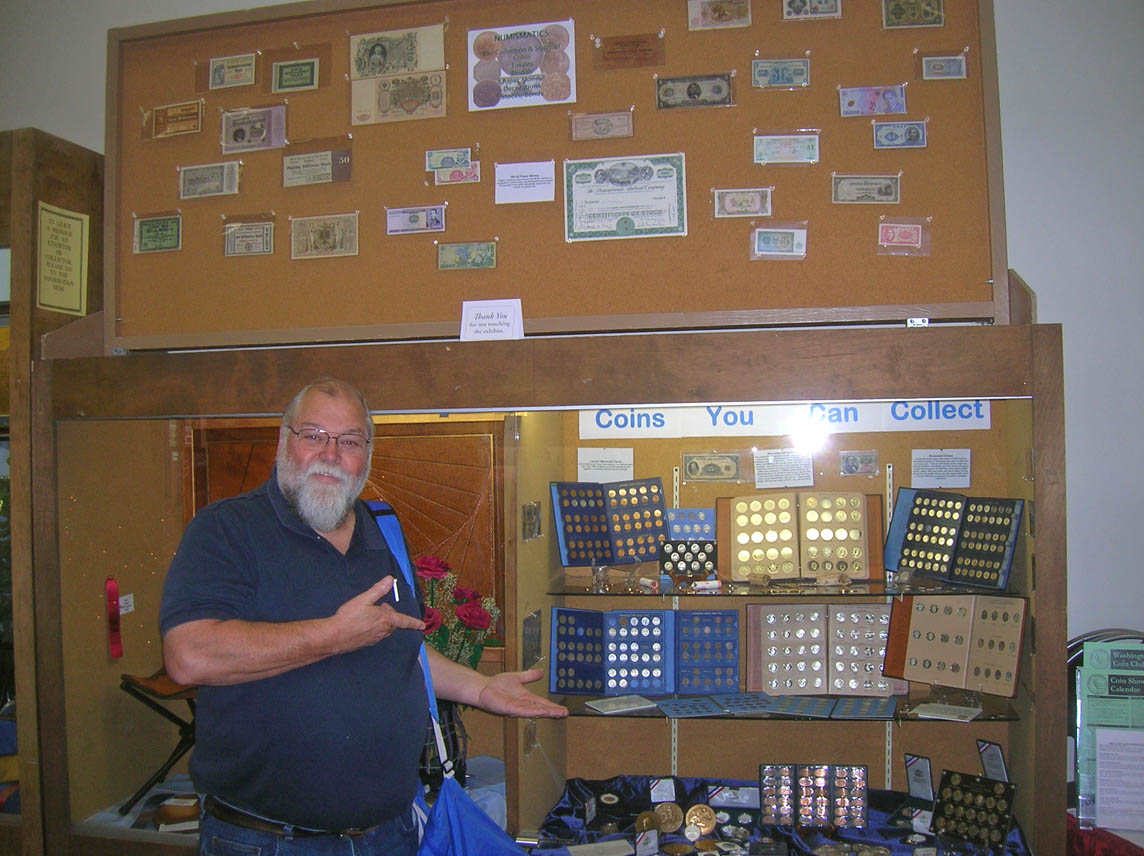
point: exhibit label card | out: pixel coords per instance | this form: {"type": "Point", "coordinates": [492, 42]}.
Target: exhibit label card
{"type": "Point", "coordinates": [776, 468]}
{"type": "Point", "coordinates": [523, 66]}
{"type": "Point", "coordinates": [61, 274]}
{"type": "Point", "coordinates": [939, 468]}
{"type": "Point", "coordinates": [534, 181]}
{"type": "Point", "coordinates": [491, 319]}
{"type": "Point", "coordinates": [1119, 766]}
{"type": "Point", "coordinates": [604, 464]}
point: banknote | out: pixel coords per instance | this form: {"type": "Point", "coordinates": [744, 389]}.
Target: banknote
{"type": "Point", "coordinates": [209, 179]}
{"type": "Point", "coordinates": [780, 73]}
{"type": "Point", "coordinates": [447, 158]}
{"type": "Point", "coordinates": [470, 174]}
{"type": "Point", "coordinates": [227, 71]}
{"type": "Point", "coordinates": [944, 67]}
{"type": "Point", "coordinates": [602, 126]}
{"type": "Point", "coordinates": [858, 463]}
{"type": "Point", "coordinates": [866, 189]}
{"type": "Point", "coordinates": [397, 98]}
{"type": "Point", "coordinates": [408, 221]}
{"type": "Point", "coordinates": [253, 129]}
{"type": "Point", "coordinates": [158, 234]}
{"type": "Point", "coordinates": [296, 75]}
{"type": "Point", "coordinates": [779, 242]}
{"type": "Point", "coordinates": [474, 255]}
{"type": "Point", "coordinates": [248, 239]}
{"type": "Point", "coordinates": [718, 14]}
{"type": "Point", "coordinates": [743, 202]}
{"type": "Point", "coordinates": [900, 135]}
{"type": "Point", "coordinates": [703, 90]}
{"type": "Point", "coordinates": [786, 148]}
{"type": "Point", "coordinates": [872, 100]}
{"type": "Point", "coordinates": [171, 120]}
{"type": "Point", "coordinates": [900, 235]}
{"type": "Point", "coordinates": [397, 51]}
{"type": "Point", "coordinates": [912, 13]}
{"type": "Point", "coordinates": [324, 236]}
{"type": "Point", "coordinates": [317, 167]}
{"type": "Point", "coordinates": [794, 10]}
{"type": "Point", "coordinates": [711, 467]}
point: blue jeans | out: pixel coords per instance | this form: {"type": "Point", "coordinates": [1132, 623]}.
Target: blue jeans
{"type": "Point", "coordinates": [397, 837]}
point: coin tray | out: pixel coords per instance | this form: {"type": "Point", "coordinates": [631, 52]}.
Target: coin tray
{"type": "Point", "coordinates": [787, 649]}
{"type": "Point", "coordinates": [682, 708]}
{"type": "Point", "coordinates": [948, 536]}
{"type": "Point", "coordinates": [777, 797]}
{"type": "Point", "coordinates": [973, 808]}
{"type": "Point", "coordinates": [691, 524]}
{"type": "Point", "coordinates": [764, 536]}
{"type": "Point", "coordinates": [849, 796]}
{"type": "Point", "coordinates": [687, 559]}
{"type": "Point", "coordinates": [858, 634]}
{"type": "Point", "coordinates": [620, 652]}
{"type": "Point", "coordinates": [832, 535]}
{"type": "Point", "coordinates": [613, 523]}
{"type": "Point", "coordinates": [707, 651]}
{"type": "Point", "coordinates": [807, 707]}
{"type": "Point", "coordinates": [744, 704]}
{"type": "Point", "coordinates": [814, 791]}
{"type": "Point", "coordinates": [858, 707]}
{"type": "Point", "coordinates": [577, 650]}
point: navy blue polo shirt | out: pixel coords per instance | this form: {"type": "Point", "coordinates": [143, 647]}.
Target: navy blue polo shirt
{"type": "Point", "coordinates": [332, 745]}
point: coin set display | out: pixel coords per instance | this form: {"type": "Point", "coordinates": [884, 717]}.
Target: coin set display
{"type": "Point", "coordinates": [948, 536]}
{"type": "Point", "coordinates": [815, 795]}
{"type": "Point", "coordinates": [691, 524]}
{"type": "Point", "coordinates": [973, 808]}
{"type": "Point", "coordinates": [684, 561]}
{"type": "Point", "coordinates": [612, 523]}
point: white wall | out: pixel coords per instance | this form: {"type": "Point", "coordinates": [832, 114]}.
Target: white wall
{"type": "Point", "coordinates": [1073, 132]}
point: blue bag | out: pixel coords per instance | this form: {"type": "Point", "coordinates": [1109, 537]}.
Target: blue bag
{"type": "Point", "coordinates": [454, 825]}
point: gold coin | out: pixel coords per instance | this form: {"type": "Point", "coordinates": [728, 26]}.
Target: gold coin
{"type": "Point", "coordinates": [706, 846]}
{"type": "Point", "coordinates": [670, 816]}
{"type": "Point", "coordinates": [702, 816]}
{"type": "Point", "coordinates": [646, 820]}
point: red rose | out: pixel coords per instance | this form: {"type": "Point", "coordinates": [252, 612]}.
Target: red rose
{"type": "Point", "coordinates": [463, 594]}
{"type": "Point", "coordinates": [432, 568]}
{"type": "Point", "coordinates": [432, 619]}
{"type": "Point", "coordinates": [473, 615]}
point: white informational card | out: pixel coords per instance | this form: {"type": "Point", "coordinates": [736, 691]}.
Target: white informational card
{"type": "Point", "coordinates": [776, 468]}
{"type": "Point", "coordinates": [491, 319]}
{"type": "Point", "coordinates": [604, 465]}
{"type": "Point", "coordinates": [939, 468]}
{"type": "Point", "coordinates": [662, 790]}
{"type": "Point", "coordinates": [619, 847]}
{"type": "Point", "coordinates": [1119, 769]}
{"type": "Point", "coordinates": [532, 181]}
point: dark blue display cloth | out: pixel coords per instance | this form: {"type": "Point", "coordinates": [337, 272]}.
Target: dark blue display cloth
{"type": "Point", "coordinates": [565, 825]}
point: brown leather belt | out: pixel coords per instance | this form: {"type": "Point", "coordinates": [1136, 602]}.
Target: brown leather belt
{"type": "Point", "coordinates": [237, 817]}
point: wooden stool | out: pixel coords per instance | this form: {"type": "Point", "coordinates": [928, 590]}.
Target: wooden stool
{"type": "Point", "coordinates": [151, 690]}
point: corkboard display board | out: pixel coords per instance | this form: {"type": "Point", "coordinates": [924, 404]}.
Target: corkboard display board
{"type": "Point", "coordinates": [392, 288]}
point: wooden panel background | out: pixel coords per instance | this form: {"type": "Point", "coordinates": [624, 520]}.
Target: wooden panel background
{"type": "Point", "coordinates": [392, 288]}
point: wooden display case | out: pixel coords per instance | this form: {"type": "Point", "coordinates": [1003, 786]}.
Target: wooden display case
{"type": "Point", "coordinates": [1018, 368]}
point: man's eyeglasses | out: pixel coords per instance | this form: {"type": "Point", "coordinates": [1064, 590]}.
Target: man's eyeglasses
{"type": "Point", "coordinates": [315, 439]}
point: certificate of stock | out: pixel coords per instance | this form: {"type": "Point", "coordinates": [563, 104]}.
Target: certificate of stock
{"type": "Point", "coordinates": [643, 196]}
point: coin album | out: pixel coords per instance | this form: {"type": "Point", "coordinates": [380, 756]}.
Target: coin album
{"type": "Point", "coordinates": [948, 536]}
{"type": "Point", "coordinates": [814, 795]}
{"type": "Point", "coordinates": [690, 524]}
{"type": "Point", "coordinates": [971, 642]}
{"type": "Point", "coordinates": [974, 809]}
{"type": "Point", "coordinates": [684, 561]}
{"type": "Point", "coordinates": [608, 524]}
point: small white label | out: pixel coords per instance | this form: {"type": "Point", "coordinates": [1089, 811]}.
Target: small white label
{"type": "Point", "coordinates": [917, 322]}
{"type": "Point", "coordinates": [662, 790]}
{"type": "Point", "coordinates": [126, 604]}
{"type": "Point", "coordinates": [491, 319]}
{"type": "Point", "coordinates": [922, 821]}
{"type": "Point", "coordinates": [647, 843]}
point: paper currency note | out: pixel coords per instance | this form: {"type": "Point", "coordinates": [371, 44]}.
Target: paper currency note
{"type": "Point", "coordinates": [872, 100]}
{"type": "Point", "coordinates": [705, 90]}
{"type": "Point", "coordinates": [743, 202]}
{"type": "Point", "coordinates": [171, 120]}
{"type": "Point", "coordinates": [397, 51]}
{"type": "Point", "coordinates": [912, 13]}
{"type": "Point", "coordinates": [786, 148]}
{"type": "Point", "coordinates": [474, 255]}
{"type": "Point", "coordinates": [780, 73]}
{"type": "Point", "coordinates": [324, 236]}
{"type": "Point", "coordinates": [779, 242]}
{"type": "Point", "coordinates": [210, 179]}
{"type": "Point", "coordinates": [447, 158]}
{"type": "Point", "coordinates": [296, 75]}
{"type": "Point", "coordinates": [317, 167]}
{"type": "Point", "coordinates": [227, 71]}
{"type": "Point", "coordinates": [397, 98]}
{"type": "Point", "coordinates": [944, 67]}
{"type": "Point", "coordinates": [413, 220]}
{"type": "Point", "coordinates": [866, 189]}
{"type": "Point", "coordinates": [602, 126]}
{"type": "Point", "coordinates": [711, 467]}
{"type": "Point", "coordinates": [249, 130]}
{"type": "Point", "coordinates": [158, 234]}
{"type": "Point", "coordinates": [718, 14]}
{"type": "Point", "coordinates": [900, 235]}
{"type": "Point", "coordinates": [248, 239]}
{"type": "Point", "coordinates": [795, 10]}
{"type": "Point", "coordinates": [470, 174]}
{"type": "Point", "coordinates": [858, 463]}
{"type": "Point", "coordinates": [900, 135]}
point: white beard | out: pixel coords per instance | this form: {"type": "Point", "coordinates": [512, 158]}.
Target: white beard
{"type": "Point", "coordinates": [323, 507]}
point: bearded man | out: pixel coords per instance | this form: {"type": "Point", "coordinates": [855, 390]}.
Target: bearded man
{"type": "Point", "coordinates": [288, 611]}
